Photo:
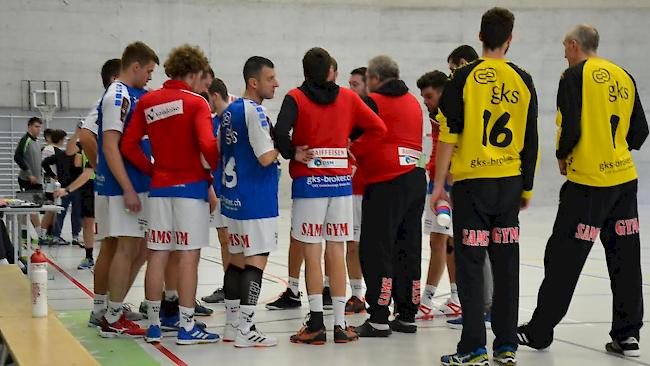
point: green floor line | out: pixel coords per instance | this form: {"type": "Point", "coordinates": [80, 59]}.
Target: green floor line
{"type": "Point", "coordinates": [108, 352]}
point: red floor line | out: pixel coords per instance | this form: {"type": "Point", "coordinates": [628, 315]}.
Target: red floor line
{"type": "Point", "coordinates": [169, 354]}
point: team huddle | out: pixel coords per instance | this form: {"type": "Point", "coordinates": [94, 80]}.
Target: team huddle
{"type": "Point", "coordinates": [173, 162]}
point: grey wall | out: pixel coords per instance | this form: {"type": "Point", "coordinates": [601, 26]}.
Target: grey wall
{"type": "Point", "coordinates": [70, 39]}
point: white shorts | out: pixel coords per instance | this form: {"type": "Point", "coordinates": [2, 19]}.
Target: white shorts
{"type": "Point", "coordinates": [431, 224]}
{"type": "Point", "coordinates": [252, 237]}
{"type": "Point", "coordinates": [329, 218]}
{"type": "Point", "coordinates": [114, 221]}
{"type": "Point", "coordinates": [177, 223]}
{"type": "Point", "coordinates": [356, 216]}
{"type": "Point", "coordinates": [217, 219]}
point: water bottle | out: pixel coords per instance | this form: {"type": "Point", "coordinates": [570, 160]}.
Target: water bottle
{"type": "Point", "coordinates": [443, 213]}
{"type": "Point", "coordinates": [38, 278]}
{"type": "Point", "coordinates": [57, 186]}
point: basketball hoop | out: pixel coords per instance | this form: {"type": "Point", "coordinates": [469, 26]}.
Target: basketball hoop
{"type": "Point", "coordinates": [46, 101]}
{"type": "Point", "coordinates": [47, 112]}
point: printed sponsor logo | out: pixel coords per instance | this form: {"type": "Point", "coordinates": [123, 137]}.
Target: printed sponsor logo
{"type": "Point", "coordinates": [485, 75]}
{"type": "Point", "coordinates": [617, 91]}
{"type": "Point", "coordinates": [314, 230]}
{"type": "Point", "coordinates": [476, 238]}
{"type": "Point", "coordinates": [237, 240]}
{"type": "Point", "coordinates": [627, 227]}
{"type": "Point", "coordinates": [167, 237]}
{"type": "Point", "coordinates": [502, 160]}
{"type": "Point", "coordinates": [614, 166]}
{"type": "Point", "coordinates": [321, 163]}
{"type": "Point", "coordinates": [502, 94]}
{"type": "Point", "coordinates": [505, 235]}
{"type": "Point", "coordinates": [124, 111]}
{"type": "Point", "coordinates": [587, 232]}
{"type": "Point", "coordinates": [337, 229]}
{"type": "Point", "coordinates": [329, 181]}
{"type": "Point", "coordinates": [408, 156]}
{"type": "Point", "coordinates": [165, 110]}
{"type": "Point", "coordinates": [330, 152]}
{"type": "Point", "coordinates": [601, 76]}
{"type": "Point", "coordinates": [415, 292]}
{"type": "Point", "coordinates": [386, 290]}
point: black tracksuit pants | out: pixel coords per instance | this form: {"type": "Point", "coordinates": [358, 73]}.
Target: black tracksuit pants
{"type": "Point", "coordinates": [586, 213]}
{"type": "Point", "coordinates": [391, 245]}
{"type": "Point", "coordinates": [486, 221]}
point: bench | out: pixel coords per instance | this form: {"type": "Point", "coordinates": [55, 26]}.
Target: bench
{"type": "Point", "coordinates": [33, 341]}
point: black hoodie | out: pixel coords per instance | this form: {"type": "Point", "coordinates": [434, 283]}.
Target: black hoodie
{"type": "Point", "coordinates": [320, 93]}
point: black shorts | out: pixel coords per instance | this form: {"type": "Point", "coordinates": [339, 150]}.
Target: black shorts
{"type": "Point", "coordinates": [27, 186]}
{"type": "Point", "coordinates": [87, 192]}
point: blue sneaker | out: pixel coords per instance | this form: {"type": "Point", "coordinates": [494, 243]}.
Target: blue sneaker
{"type": "Point", "coordinates": [476, 358]}
{"type": "Point", "coordinates": [86, 263]}
{"type": "Point", "coordinates": [173, 323]}
{"type": "Point", "coordinates": [153, 334]}
{"type": "Point", "coordinates": [505, 355]}
{"type": "Point", "coordinates": [196, 336]}
{"type": "Point", "coordinates": [458, 322]}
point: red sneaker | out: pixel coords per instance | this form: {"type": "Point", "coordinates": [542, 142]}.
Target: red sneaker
{"type": "Point", "coordinates": [121, 328]}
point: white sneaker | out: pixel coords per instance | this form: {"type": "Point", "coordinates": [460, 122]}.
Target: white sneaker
{"type": "Point", "coordinates": [449, 308]}
{"type": "Point", "coordinates": [254, 338]}
{"type": "Point", "coordinates": [426, 313]}
{"type": "Point", "coordinates": [229, 333]}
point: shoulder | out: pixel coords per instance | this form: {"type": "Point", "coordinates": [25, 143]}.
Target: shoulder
{"type": "Point", "coordinates": [463, 72]}
{"type": "Point", "coordinates": [523, 74]}
{"type": "Point", "coordinates": [574, 72]}
{"type": "Point", "coordinates": [116, 94]}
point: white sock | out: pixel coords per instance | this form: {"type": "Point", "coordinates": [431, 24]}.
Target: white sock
{"type": "Point", "coordinates": [114, 311]}
{"type": "Point", "coordinates": [171, 295]}
{"type": "Point", "coordinates": [186, 317]}
{"type": "Point", "coordinates": [153, 312]}
{"type": "Point", "coordinates": [427, 296]}
{"type": "Point", "coordinates": [326, 281]}
{"type": "Point", "coordinates": [454, 294]}
{"type": "Point", "coordinates": [357, 288]}
{"type": "Point", "coordinates": [316, 303]}
{"type": "Point", "coordinates": [246, 319]}
{"type": "Point", "coordinates": [232, 312]}
{"type": "Point", "coordinates": [100, 303]}
{"type": "Point", "coordinates": [339, 311]}
{"type": "Point", "coordinates": [4, 261]}
{"type": "Point", "coordinates": [42, 233]}
{"type": "Point", "coordinates": [293, 285]}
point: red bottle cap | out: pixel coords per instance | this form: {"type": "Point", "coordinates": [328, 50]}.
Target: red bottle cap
{"type": "Point", "coordinates": [38, 257]}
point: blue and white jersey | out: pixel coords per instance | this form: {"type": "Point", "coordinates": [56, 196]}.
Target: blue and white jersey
{"type": "Point", "coordinates": [216, 122]}
{"type": "Point", "coordinates": [114, 113]}
{"type": "Point", "coordinates": [248, 189]}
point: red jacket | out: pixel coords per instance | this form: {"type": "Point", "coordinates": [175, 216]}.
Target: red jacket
{"type": "Point", "coordinates": [325, 128]}
{"type": "Point", "coordinates": [179, 126]}
{"type": "Point", "coordinates": [398, 151]}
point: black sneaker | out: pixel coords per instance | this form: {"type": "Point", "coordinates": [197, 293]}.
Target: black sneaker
{"type": "Point", "coordinates": [310, 336]}
{"type": "Point", "coordinates": [217, 297]}
{"type": "Point", "coordinates": [366, 330]}
{"type": "Point", "coordinates": [355, 305]}
{"type": "Point", "coordinates": [77, 243]}
{"type": "Point", "coordinates": [327, 299]}
{"type": "Point", "coordinates": [525, 339]}
{"type": "Point", "coordinates": [628, 347]}
{"type": "Point", "coordinates": [344, 335]}
{"type": "Point", "coordinates": [200, 310]}
{"type": "Point", "coordinates": [288, 300]}
{"type": "Point", "coordinates": [401, 326]}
